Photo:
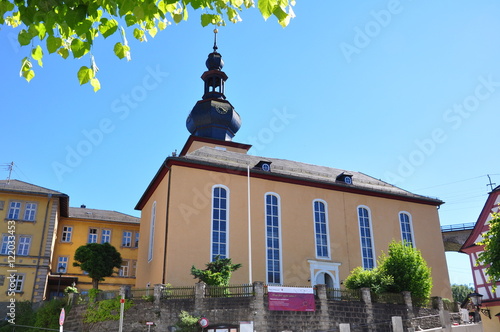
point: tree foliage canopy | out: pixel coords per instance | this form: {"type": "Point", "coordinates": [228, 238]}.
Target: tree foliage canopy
{"type": "Point", "coordinates": [98, 260]}
{"type": "Point", "coordinates": [69, 27]}
{"type": "Point", "coordinates": [403, 269]}
{"type": "Point", "coordinates": [217, 273]}
{"type": "Point", "coordinates": [491, 254]}
{"type": "Point", "coordinates": [460, 292]}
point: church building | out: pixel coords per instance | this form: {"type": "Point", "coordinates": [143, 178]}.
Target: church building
{"type": "Point", "coordinates": [287, 222]}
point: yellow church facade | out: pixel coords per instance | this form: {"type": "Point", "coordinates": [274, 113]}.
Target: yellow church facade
{"type": "Point", "coordinates": [287, 222]}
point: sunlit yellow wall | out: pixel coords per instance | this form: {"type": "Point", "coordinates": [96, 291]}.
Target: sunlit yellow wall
{"type": "Point", "coordinates": [36, 264]}
{"type": "Point", "coordinates": [189, 231]}
{"type": "Point", "coordinates": [493, 324]}
{"type": "Point", "coordinates": [79, 238]}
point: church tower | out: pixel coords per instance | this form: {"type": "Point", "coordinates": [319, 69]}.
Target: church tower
{"type": "Point", "coordinates": [213, 116]}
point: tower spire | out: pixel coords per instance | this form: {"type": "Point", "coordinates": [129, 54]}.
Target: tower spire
{"type": "Point", "coordinates": [215, 40]}
{"type": "Point", "coordinates": [214, 116]}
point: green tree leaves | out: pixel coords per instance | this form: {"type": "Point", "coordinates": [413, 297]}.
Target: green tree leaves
{"type": "Point", "coordinates": [491, 254]}
{"type": "Point", "coordinates": [66, 27]}
{"type": "Point", "coordinates": [217, 273]}
{"type": "Point", "coordinates": [403, 269]}
{"type": "Point", "coordinates": [98, 260]}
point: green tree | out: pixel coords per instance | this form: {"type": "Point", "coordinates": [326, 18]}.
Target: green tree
{"type": "Point", "coordinates": [408, 269]}
{"type": "Point", "coordinates": [217, 273]}
{"type": "Point", "coordinates": [403, 269]}
{"type": "Point", "coordinates": [70, 27]}
{"type": "Point", "coordinates": [491, 254]}
{"type": "Point", "coordinates": [374, 279]}
{"type": "Point", "coordinates": [98, 260]}
{"type": "Point", "coordinates": [460, 292]}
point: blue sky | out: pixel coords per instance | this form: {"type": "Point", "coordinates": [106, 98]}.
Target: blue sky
{"type": "Point", "coordinates": [405, 91]}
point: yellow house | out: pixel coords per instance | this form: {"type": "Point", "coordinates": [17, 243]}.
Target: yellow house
{"type": "Point", "coordinates": [286, 222]}
{"type": "Point", "coordinates": [84, 226]}
{"type": "Point", "coordinates": [29, 215]}
{"type": "Point", "coordinates": [40, 234]}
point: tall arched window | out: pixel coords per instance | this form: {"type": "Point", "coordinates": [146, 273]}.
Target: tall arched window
{"type": "Point", "coordinates": [321, 237]}
{"type": "Point", "coordinates": [406, 228]}
{"type": "Point", "coordinates": [152, 232]}
{"type": "Point", "coordinates": [366, 238]}
{"type": "Point", "coordinates": [273, 239]}
{"type": "Point", "coordinates": [220, 227]}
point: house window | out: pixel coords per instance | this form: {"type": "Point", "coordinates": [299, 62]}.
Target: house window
{"type": "Point", "coordinates": [93, 232]}
{"type": "Point", "coordinates": [127, 239]}
{"type": "Point", "coordinates": [406, 228]}
{"type": "Point", "coordinates": [133, 268]}
{"type": "Point", "coordinates": [273, 245]}
{"type": "Point", "coordinates": [124, 269]}
{"type": "Point", "coordinates": [30, 212]}
{"type": "Point", "coordinates": [136, 242]}
{"type": "Point", "coordinates": [66, 233]}
{"type": "Point", "coordinates": [5, 244]}
{"type": "Point", "coordinates": [106, 236]}
{"type": "Point", "coordinates": [19, 283]}
{"type": "Point", "coordinates": [321, 230]}
{"type": "Point", "coordinates": [365, 233]}
{"type": "Point", "coordinates": [62, 264]}
{"type": "Point", "coordinates": [219, 222]}
{"type": "Point", "coordinates": [23, 247]}
{"type": "Point", "coordinates": [152, 232]}
{"type": "Point", "coordinates": [14, 210]}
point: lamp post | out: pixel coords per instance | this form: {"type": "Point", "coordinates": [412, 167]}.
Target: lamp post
{"type": "Point", "coordinates": [60, 272]}
{"type": "Point", "coordinates": [476, 299]}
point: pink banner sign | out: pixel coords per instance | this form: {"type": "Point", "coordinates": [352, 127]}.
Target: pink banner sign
{"type": "Point", "coordinates": [291, 298]}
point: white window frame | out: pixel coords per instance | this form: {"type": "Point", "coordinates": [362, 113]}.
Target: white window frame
{"type": "Point", "coordinates": [66, 234]}
{"type": "Point", "coordinates": [106, 235]}
{"type": "Point", "coordinates": [371, 238]}
{"type": "Point", "coordinates": [93, 236]}
{"type": "Point", "coordinates": [280, 251]}
{"type": "Point", "coordinates": [62, 261]}
{"type": "Point", "coordinates": [24, 245]}
{"type": "Point", "coordinates": [124, 268]}
{"type": "Point", "coordinates": [19, 282]}
{"type": "Point", "coordinates": [4, 249]}
{"type": "Point", "coordinates": [136, 240]}
{"type": "Point", "coordinates": [214, 222]}
{"type": "Point", "coordinates": [14, 210]}
{"type": "Point", "coordinates": [127, 235]}
{"type": "Point", "coordinates": [152, 232]}
{"type": "Point", "coordinates": [327, 231]}
{"type": "Point", "coordinates": [410, 226]}
{"type": "Point", "coordinates": [30, 211]}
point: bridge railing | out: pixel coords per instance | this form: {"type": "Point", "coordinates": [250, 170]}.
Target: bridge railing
{"type": "Point", "coordinates": [458, 227]}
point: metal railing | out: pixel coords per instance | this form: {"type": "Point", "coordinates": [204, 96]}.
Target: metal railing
{"type": "Point", "coordinates": [229, 291]}
{"type": "Point", "coordinates": [458, 227]}
{"type": "Point", "coordinates": [169, 292]}
{"type": "Point", "coordinates": [338, 294]}
{"type": "Point", "coordinates": [394, 298]}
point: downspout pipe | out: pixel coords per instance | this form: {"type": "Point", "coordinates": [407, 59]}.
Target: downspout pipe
{"type": "Point", "coordinates": [163, 279]}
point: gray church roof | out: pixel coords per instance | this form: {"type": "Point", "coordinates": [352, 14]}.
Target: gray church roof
{"type": "Point", "coordinates": [25, 187]}
{"type": "Point", "coordinates": [301, 171]}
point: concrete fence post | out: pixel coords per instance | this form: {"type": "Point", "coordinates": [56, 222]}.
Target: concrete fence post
{"type": "Point", "coordinates": [157, 293]}
{"type": "Point", "coordinates": [323, 301]}
{"type": "Point", "coordinates": [367, 299]}
{"type": "Point", "coordinates": [199, 295]}
{"type": "Point", "coordinates": [258, 306]}
{"type": "Point", "coordinates": [409, 308]}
